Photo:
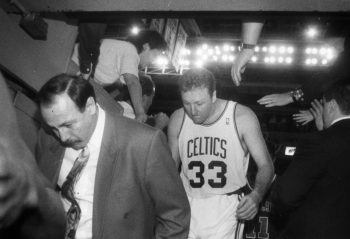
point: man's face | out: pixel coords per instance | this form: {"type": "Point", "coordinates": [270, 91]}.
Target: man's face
{"type": "Point", "coordinates": [198, 104]}
{"type": "Point", "coordinates": [147, 56]}
{"type": "Point", "coordinates": [72, 127]}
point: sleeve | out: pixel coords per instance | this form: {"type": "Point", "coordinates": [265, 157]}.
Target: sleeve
{"type": "Point", "coordinates": [166, 190]}
{"type": "Point", "coordinates": [303, 172]}
{"type": "Point", "coordinates": [129, 62]}
{"type": "Point", "coordinates": [45, 219]}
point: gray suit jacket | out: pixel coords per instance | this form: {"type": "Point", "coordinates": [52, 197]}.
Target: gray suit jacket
{"type": "Point", "coordinates": [138, 192]}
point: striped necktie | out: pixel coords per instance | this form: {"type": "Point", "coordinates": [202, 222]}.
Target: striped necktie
{"type": "Point", "coordinates": [73, 214]}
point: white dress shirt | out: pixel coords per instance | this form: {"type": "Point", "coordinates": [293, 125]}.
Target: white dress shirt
{"type": "Point", "coordinates": [84, 188]}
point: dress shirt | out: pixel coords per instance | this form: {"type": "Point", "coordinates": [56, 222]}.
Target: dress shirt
{"type": "Point", "coordinates": [84, 189]}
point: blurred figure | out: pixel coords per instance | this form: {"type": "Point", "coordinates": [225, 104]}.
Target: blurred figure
{"type": "Point", "coordinates": [250, 34]}
{"type": "Point", "coordinates": [314, 191]}
{"type": "Point", "coordinates": [314, 87]}
{"type": "Point", "coordinates": [29, 207]}
{"type": "Point", "coordinates": [118, 64]}
{"type": "Point", "coordinates": [116, 176]}
{"type": "Point", "coordinates": [314, 113]}
{"type": "Point", "coordinates": [160, 120]}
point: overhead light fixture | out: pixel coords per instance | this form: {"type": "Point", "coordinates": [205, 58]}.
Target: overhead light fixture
{"type": "Point", "coordinates": [311, 32]}
{"type": "Point", "coordinates": [135, 30]}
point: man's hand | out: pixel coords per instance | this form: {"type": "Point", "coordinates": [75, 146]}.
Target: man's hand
{"type": "Point", "coordinates": [317, 111]}
{"type": "Point", "coordinates": [239, 65]}
{"type": "Point", "coordinates": [281, 99]}
{"type": "Point", "coordinates": [248, 206]}
{"type": "Point", "coordinates": [17, 190]}
{"type": "Point", "coordinates": [142, 117]}
{"type": "Point", "coordinates": [303, 117]}
{"type": "Point", "coordinates": [161, 120]}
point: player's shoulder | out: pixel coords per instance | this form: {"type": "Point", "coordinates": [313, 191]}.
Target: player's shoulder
{"type": "Point", "coordinates": [245, 116]}
{"type": "Point", "coordinates": [176, 119]}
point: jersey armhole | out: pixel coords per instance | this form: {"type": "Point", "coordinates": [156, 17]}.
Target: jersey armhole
{"type": "Point", "coordinates": [236, 128]}
{"type": "Point", "coordinates": [182, 124]}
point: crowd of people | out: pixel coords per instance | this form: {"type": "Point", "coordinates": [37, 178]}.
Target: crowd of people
{"type": "Point", "coordinates": [98, 175]}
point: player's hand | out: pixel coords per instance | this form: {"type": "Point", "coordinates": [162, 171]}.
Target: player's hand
{"type": "Point", "coordinates": [161, 120]}
{"type": "Point", "coordinates": [239, 65]}
{"type": "Point", "coordinates": [248, 206]}
{"type": "Point", "coordinates": [17, 190]}
{"type": "Point", "coordinates": [141, 117]}
{"type": "Point", "coordinates": [317, 111]}
{"type": "Point", "coordinates": [303, 117]}
{"type": "Point", "coordinates": [276, 100]}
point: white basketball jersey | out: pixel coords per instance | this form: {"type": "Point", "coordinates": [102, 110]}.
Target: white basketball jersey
{"type": "Point", "coordinates": [213, 160]}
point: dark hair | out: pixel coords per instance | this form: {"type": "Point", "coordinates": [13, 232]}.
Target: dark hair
{"type": "Point", "coordinates": [340, 92]}
{"type": "Point", "coordinates": [153, 38]}
{"type": "Point", "coordinates": [147, 86]}
{"type": "Point", "coordinates": [78, 89]}
{"type": "Point", "coordinates": [196, 78]}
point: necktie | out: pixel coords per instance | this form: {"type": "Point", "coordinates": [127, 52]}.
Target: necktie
{"type": "Point", "coordinates": [73, 214]}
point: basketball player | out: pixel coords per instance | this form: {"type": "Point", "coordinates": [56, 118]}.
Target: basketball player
{"type": "Point", "coordinates": [213, 138]}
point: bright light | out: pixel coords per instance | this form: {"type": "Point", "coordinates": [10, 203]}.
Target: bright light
{"type": "Point", "coordinates": [232, 48]}
{"type": "Point", "coordinates": [264, 49]}
{"type": "Point", "coordinates": [311, 32]}
{"type": "Point", "coordinates": [308, 50]}
{"type": "Point", "coordinates": [224, 58]}
{"type": "Point", "coordinates": [210, 51]}
{"type": "Point", "coordinates": [267, 60]}
{"type": "Point", "coordinates": [290, 49]}
{"type": "Point", "coordinates": [226, 47]}
{"type": "Point", "coordinates": [199, 51]}
{"type": "Point", "coordinates": [231, 58]}
{"type": "Point", "coordinates": [204, 57]}
{"type": "Point", "coordinates": [308, 61]}
{"type": "Point", "coordinates": [184, 51]}
{"type": "Point", "coordinates": [215, 58]}
{"type": "Point", "coordinates": [314, 61]}
{"type": "Point", "coordinates": [135, 30]}
{"type": "Point", "coordinates": [324, 62]}
{"type": "Point", "coordinates": [205, 46]}
{"type": "Point", "coordinates": [254, 59]}
{"type": "Point", "coordinates": [322, 51]}
{"type": "Point", "coordinates": [199, 63]}
{"type": "Point", "coordinates": [314, 51]}
{"type": "Point", "coordinates": [272, 59]}
{"type": "Point", "coordinates": [289, 60]}
{"type": "Point", "coordinates": [330, 54]}
{"type": "Point", "coordinates": [282, 49]}
{"type": "Point", "coordinates": [161, 61]}
{"type": "Point", "coordinates": [257, 49]}
{"type": "Point", "coordinates": [280, 59]}
{"type": "Point", "coordinates": [272, 49]}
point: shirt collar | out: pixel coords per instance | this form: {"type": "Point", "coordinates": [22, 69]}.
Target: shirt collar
{"type": "Point", "coordinates": [340, 118]}
{"type": "Point", "coordinates": [96, 138]}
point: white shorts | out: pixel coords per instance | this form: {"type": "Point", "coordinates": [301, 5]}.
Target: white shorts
{"type": "Point", "coordinates": [215, 218]}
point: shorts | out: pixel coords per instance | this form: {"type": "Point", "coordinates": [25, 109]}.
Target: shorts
{"type": "Point", "coordinates": [215, 218]}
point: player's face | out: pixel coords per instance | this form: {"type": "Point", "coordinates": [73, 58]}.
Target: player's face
{"type": "Point", "coordinates": [73, 127]}
{"type": "Point", "coordinates": [198, 104]}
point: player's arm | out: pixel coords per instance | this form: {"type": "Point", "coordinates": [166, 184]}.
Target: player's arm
{"type": "Point", "coordinates": [251, 136]}
{"type": "Point", "coordinates": [174, 128]}
{"type": "Point", "coordinates": [135, 92]}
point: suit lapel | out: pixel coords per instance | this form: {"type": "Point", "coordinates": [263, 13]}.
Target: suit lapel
{"type": "Point", "coordinates": [104, 174]}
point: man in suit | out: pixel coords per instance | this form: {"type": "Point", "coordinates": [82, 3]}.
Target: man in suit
{"type": "Point", "coordinates": [127, 187]}
{"type": "Point", "coordinates": [29, 207]}
{"type": "Point", "coordinates": [315, 191]}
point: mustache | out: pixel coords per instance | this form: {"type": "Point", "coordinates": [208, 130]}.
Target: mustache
{"type": "Point", "coordinates": [69, 143]}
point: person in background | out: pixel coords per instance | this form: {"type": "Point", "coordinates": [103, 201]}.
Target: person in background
{"type": "Point", "coordinates": [119, 60]}
{"type": "Point", "coordinates": [314, 87]}
{"type": "Point", "coordinates": [213, 138]}
{"type": "Point", "coordinates": [160, 120]}
{"type": "Point", "coordinates": [29, 206]}
{"type": "Point", "coordinates": [116, 177]}
{"type": "Point", "coordinates": [314, 191]}
{"type": "Point", "coordinates": [250, 34]}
